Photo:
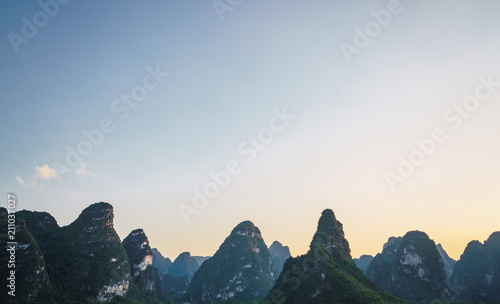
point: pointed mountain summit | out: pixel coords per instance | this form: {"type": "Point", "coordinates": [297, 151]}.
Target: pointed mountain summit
{"type": "Point", "coordinates": [330, 237]}
{"type": "Point", "coordinates": [241, 270]}
{"type": "Point", "coordinates": [83, 262]}
{"type": "Point", "coordinates": [326, 274]}
{"type": "Point", "coordinates": [411, 268]}
{"type": "Point", "coordinates": [140, 255]}
{"type": "Point", "coordinates": [280, 254]}
{"type": "Point", "coordinates": [87, 247]}
{"type": "Point", "coordinates": [75, 260]}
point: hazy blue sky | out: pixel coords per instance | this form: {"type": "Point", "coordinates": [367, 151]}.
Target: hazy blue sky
{"type": "Point", "coordinates": [231, 65]}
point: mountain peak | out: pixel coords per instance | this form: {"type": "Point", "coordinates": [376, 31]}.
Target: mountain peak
{"type": "Point", "coordinates": [137, 232]}
{"type": "Point", "coordinates": [242, 270]}
{"type": "Point", "coordinates": [416, 234]}
{"type": "Point", "coordinates": [38, 222]}
{"type": "Point", "coordinates": [363, 262]}
{"type": "Point", "coordinates": [495, 235]}
{"type": "Point", "coordinates": [276, 244]}
{"type": "Point", "coordinates": [330, 236]}
{"type": "Point", "coordinates": [246, 228]}
{"type": "Point", "coordinates": [161, 263]}
{"type": "Point", "coordinates": [412, 268]}
{"type": "Point", "coordinates": [183, 265]}
{"type": "Point", "coordinates": [140, 256]}
{"type": "Point", "coordinates": [279, 254]}
{"type": "Point", "coordinates": [98, 207]}
{"type": "Point", "coordinates": [439, 247]}
{"type": "Point", "coordinates": [327, 222]}
{"type": "Point", "coordinates": [492, 244]}
{"type": "Point", "coordinates": [98, 213]}
{"type": "Point", "coordinates": [326, 273]}
{"type": "Point", "coordinates": [392, 241]}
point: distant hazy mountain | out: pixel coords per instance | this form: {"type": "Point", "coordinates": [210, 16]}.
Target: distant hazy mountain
{"type": "Point", "coordinates": [140, 256]}
{"type": "Point", "coordinates": [161, 263]}
{"type": "Point", "coordinates": [363, 262]}
{"type": "Point", "coordinates": [477, 273]}
{"type": "Point", "coordinates": [279, 253]}
{"type": "Point", "coordinates": [326, 274]}
{"type": "Point", "coordinates": [183, 265]}
{"type": "Point", "coordinates": [200, 259]}
{"type": "Point", "coordinates": [241, 270]}
{"type": "Point", "coordinates": [411, 268]}
{"type": "Point", "coordinates": [448, 263]}
{"type": "Point", "coordinates": [176, 281]}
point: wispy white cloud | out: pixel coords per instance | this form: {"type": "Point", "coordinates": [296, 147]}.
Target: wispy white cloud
{"type": "Point", "coordinates": [20, 181]}
{"type": "Point", "coordinates": [82, 170]}
{"type": "Point", "coordinates": [45, 172]}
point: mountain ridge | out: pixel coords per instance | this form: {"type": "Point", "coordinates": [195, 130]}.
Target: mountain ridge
{"type": "Point", "coordinates": [241, 269]}
{"type": "Point", "coordinates": [326, 273]}
{"type": "Point", "coordinates": [86, 262]}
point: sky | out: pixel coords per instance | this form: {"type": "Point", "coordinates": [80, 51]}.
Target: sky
{"type": "Point", "coordinates": [190, 117]}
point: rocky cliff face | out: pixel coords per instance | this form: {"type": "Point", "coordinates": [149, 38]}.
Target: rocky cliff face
{"type": "Point", "coordinates": [83, 262]}
{"type": "Point", "coordinates": [379, 268]}
{"type": "Point", "coordinates": [477, 273]}
{"type": "Point", "coordinates": [411, 268]}
{"type": "Point", "coordinates": [280, 254]}
{"type": "Point", "coordinates": [92, 255]}
{"type": "Point", "coordinates": [448, 263]}
{"type": "Point", "coordinates": [241, 270]}
{"type": "Point", "coordinates": [30, 264]}
{"type": "Point", "coordinates": [140, 256]}
{"type": "Point", "coordinates": [326, 274]}
{"type": "Point", "coordinates": [31, 279]}
{"type": "Point", "coordinates": [174, 287]}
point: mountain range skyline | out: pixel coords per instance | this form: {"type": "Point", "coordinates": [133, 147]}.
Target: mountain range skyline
{"type": "Point", "coordinates": [192, 118]}
{"type": "Point", "coordinates": [164, 252]}
{"type": "Point", "coordinates": [57, 265]}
